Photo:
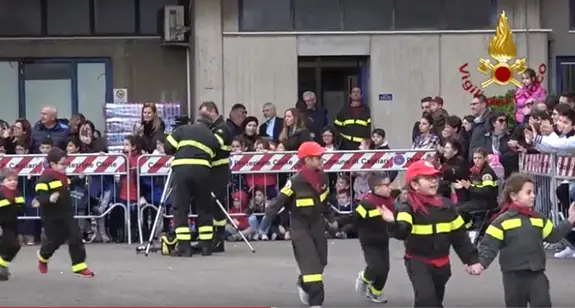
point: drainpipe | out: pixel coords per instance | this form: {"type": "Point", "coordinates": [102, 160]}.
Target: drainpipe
{"type": "Point", "coordinates": [526, 18]}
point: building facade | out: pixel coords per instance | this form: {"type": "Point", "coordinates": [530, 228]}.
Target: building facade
{"type": "Point", "coordinates": [257, 51]}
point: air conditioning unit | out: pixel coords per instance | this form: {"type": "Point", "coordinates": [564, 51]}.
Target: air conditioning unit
{"type": "Point", "coordinates": [175, 28]}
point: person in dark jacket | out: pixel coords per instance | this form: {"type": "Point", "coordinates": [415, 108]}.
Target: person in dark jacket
{"type": "Point", "coordinates": [453, 129]}
{"type": "Point", "coordinates": [430, 226]}
{"type": "Point", "coordinates": [425, 110]}
{"type": "Point", "coordinates": [454, 168]}
{"type": "Point", "coordinates": [294, 132]}
{"type": "Point", "coordinates": [316, 114]}
{"type": "Point", "coordinates": [438, 114]}
{"type": "Point", "coordinates": [481, 124]}
{"type": "Point", "coordinates": [11, 206]}
{"type": "Point", "coordinates": [249, 133]}
{"type": "Point", "coordinates": [151, 128]}
{"type": "Point", "coordinates": [518, 233]}
{"type": "Point", "coordinates": [353, 121]}
{"type": "Point", "coordinates": [93, 144]}
{"type": "Point", "coordinates": [237, 116]}
{"type": "Point", "coordinates": [273, 124]}
{"type": "Point", "coordinates": [49, 126]}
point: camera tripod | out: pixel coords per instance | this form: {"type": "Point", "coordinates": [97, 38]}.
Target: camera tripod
{"type": "Point", "coordinates": [160, 213]}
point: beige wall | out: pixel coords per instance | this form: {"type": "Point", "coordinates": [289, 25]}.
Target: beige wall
{"type": "Point", "coordinates": [253, 68]}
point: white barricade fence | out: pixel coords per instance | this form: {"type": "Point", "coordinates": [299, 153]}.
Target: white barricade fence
{"type": "Point", "coordinates": [94, 192]}
{"type": "Point", "coordinates": [280, 164]}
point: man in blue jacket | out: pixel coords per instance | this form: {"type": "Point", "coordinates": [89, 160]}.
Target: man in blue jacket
{"type": "Point", "coordinates": [49, 127]}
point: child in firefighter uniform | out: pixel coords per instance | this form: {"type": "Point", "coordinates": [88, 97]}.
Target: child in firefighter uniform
{"type": "Point", "coordinates": [57, 214]}
{"type": "Point", "coordinates": [430, 226]}
{"type": "Point", "coordinates": [369, 218]}
{"type": "Point", "coordinates": [305, 196]}
{"type": "Point", "coordinates": [11, 206]}
{"type": "Point", "coordinates": [518, 233]}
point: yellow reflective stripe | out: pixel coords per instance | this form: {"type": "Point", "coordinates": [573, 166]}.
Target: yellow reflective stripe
{"type": "Point", "coordinates": [55, 184]}
{"type": "Point", "coordinates": [547, 229]}
{"type": "Point", "coordinates": [40, 258]}
{"type": "Point", "coordinates": [337, 123]}
{"type": "Point", "coordinates": [221, 162]}
{"type": "Point", "coordinates": [443, 227]}
{"type": "Point", "coordinates": [19, 199]}
{"type": "Point", "coordinates": [536, 222]}
{"type": "Point", "coordinates": [350, 138]}
{"type": "Point", "coordinates": [374, 213]}
{"type": "Point", "coordinates": [172, 141]}
{"type": "Point", "coordinates": [352, 122]}
{"type": "Point", "coordinates": [375, 291]}
{"type": "Point", "coordinates": [312, 278]}
{"type": "Point", "coordinates": [199, 145]}
{"type": "Point", "coordinates": [166, 240]}
{"type": "Point", "coordinates": [485, 183]}
{"type": "Point", "coordinates": [41, 187]}
{"type": "Point", "coordinates": [511, 224]}
{"type": "Point", "coordinates": [205, 236]}
{"type": "Point", "coordinates": [79, 267]}
{"type": "Point", "coordinates": [457, 223]}
{"type": "Point", "coordinates": [495, 232]}
{"type": "Point", "coordinates": [286, 190]}
{"type": "Point", "coordinates": [183, 237]}
{"type": "Point", "coordinates": [405, 216]}
{"type": "Point", "coordinates": [304, 202]}
{"type": "Point", "coordinates": [469, 224]}
{"type": "Point", "coordinates": [422, 229]}
{"type": "Point", "coordinates": [205, 229]}
{"type": "Point", "coordinates": [4, 203]}
{"type": "Point", "coordinates": [220, 140]}
{"type": "Point", "coordinates": [190, 161]}
{"type": "Point", "coordinates": [220, 223]}
{"type": "Point", "coordinates": [369, 121]}
{"type": "Point", "coordinates": [323, 195]}
{"type": "Point", "coordinates": [361, 211]}
{"type": "Point", "coordinates": [362, 122]}
{"type": "Point", "coordinates": [3, 262]}
{"type": "Point", "coordinates": [182, 230]}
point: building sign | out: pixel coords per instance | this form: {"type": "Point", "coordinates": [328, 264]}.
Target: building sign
{"type": "Point", "coordinates": [505, 67]}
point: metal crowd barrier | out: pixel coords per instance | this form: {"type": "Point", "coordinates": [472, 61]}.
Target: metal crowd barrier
{"type": "Point", "coordinates": [258, 176]}
{"type": "Point", "coordinates": [93, 178]}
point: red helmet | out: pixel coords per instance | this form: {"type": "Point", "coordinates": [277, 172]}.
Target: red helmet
{"type": "Point", "coordinates": [420, 168]}
{"type": "Point", "coordinates": [309, 149]}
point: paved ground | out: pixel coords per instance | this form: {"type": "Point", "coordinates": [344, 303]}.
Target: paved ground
{"type": "Point", "coordinates": [265, 278]}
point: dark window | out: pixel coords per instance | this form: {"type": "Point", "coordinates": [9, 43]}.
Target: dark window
{"type": "Point", "coordinates": [150, 11]}
{"type": "Point", "coordinates": [48, 71]}
{"type": "Point", "coordinates": [265, 15]}
{"type": "Point", "coordinates": [115, 17]}
{"type": "Point", "coordinates": [572, 14]}
{"type": "Point", "coordinates": [317, 15]}
{"type": "Point", "coordinates": [463, 15]}
{"type": "Point", "coordinates": [65, 17]}
{"type": "Point", "coordinates": [366, 15]}
{"type": "Point", "coordinates": [20, 18]}
{"type": "Point", "coordinates": [419, 15]}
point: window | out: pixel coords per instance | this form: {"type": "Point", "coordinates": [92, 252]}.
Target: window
{"type": "Point", "coordinates": [20, 18]}
{"type": "Point", "coordinates": [572, 14]}
{"type": "Point", "coordinates": [150, 11]}
{"type": "Point", "coordinates": [566, 80]}
{"type": "Point", "coordinates": [115, 17]}
{"type": "Point", "coordinates": [265, 15]}
{"type": "Point", "coordinates": [462, 15]}
{"type": "Point", "coordinates": [317, 15]}
{"type": "Point", "coordinates": [366, 15]}
{"type": "Point", "coordinates": [66, 17]}
{"type": "Point", "coordinates": [417, 14]}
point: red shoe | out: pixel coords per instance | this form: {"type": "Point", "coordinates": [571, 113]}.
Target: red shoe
{"type": "Point", "coordinates": [42, 267]}
{"type": "Point", "coordinates": [86, 273]}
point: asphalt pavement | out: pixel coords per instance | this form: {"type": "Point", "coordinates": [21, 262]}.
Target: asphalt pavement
{"type": "Point", "coordinates": [240, 278]}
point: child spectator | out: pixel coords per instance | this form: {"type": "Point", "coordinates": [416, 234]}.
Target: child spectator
{"type": "Point", "coordinates": [345, 206]}
{"type": "Point", "coordinates": [160, 146]}
{"type": "Point", "coordinates": [79, 193]}
{"type": "Point", "coordinates": [273, 145]}
{"type": "Point", "coordinates": [257, 206]}
{"type": "Point", "coordinates": [238, 212]}
{"type": "Point", "coordinates": [360, 185]}
{"type": "Point", "coordinates": [328, 138]}
{"type": "Point", "coordinates": [21, 147]}
{"type": "Point", "coordinates": [238, 181]}
{"type": "Point", "coordinates": [267, 180]}
{"type": "Point", "coordinates": [26, 228]}
{"type": "Point", "coordinates": [378, 138]}
{"type": "Point", "coordinates": [128, 192]}
{"type": "Point", "coordinates": [530, 92]}
{"type": "Point", "coordinates": [46, 145]}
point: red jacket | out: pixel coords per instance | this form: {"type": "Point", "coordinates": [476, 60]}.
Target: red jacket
{"type": "Point", "coordinates": [262, 179]}
{"type": "Point", "coordinates": [130, 194]}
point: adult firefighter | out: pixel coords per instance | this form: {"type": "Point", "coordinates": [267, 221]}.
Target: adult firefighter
{"type": "Point", "coordinates": [220, 170]}
{"type": "Point", "coordinates": [194, 148]}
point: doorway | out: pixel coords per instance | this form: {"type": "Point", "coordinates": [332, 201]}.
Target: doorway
{"type": "Point", "coordinates": [332, 78]}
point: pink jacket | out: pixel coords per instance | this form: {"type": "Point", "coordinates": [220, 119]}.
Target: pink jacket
{"type": "Point", "coordinates": [535, 91]}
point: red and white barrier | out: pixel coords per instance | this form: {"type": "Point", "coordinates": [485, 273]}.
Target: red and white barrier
{"type": "Point", "coordinates": [76, 164]}
{"type": "Point", "coordinates": [542, 163]}
{"type": "Point", "coordinates": [278, 162]}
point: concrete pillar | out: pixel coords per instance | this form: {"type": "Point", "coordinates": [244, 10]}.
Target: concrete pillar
{"type": "Point", "coordinates": [207, 46]}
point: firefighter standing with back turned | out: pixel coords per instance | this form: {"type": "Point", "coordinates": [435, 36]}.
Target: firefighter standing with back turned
{"type": "Point", "coordinates": [305, 196]}
{"type": "Point", "coordinates": [220, 171]}
{"type": "Point", "coordinates": [193, 147]}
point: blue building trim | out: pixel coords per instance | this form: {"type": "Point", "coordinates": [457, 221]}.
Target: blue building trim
{"type": "Point", "coordinates": [559, 61]}
{"type": "Point", "coordinates": [74, 79]}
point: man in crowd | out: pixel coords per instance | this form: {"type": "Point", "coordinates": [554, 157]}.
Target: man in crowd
{"type": "Point", "coordinates": [272, 125]}
{"type": "Point", "coordinates": [438, 114]}
{"type": "Point", "coordinates": [49, 127]}
{"type": "Point", "coordinates": [317, 115]}
{"type": "Point", "coordinates": [237, 116]}
{"type": "Point", "coordinates": [425, 109]}
{"type": "Point", "coordinates": [353, 121]}
{"type": "Point", "coordinates": [481, 124]}
{"type": "Point", "coordinates": [567, 98]}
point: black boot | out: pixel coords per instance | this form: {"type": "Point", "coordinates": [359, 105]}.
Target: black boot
{"type": "Point", "coordinates": [220, 239]}
{"type": "Point", "coordinates": [183, 249]}
{"type": "Point", "coordinates": [207, 247]}
{"type": "Point", "coordinates": [4, 273]}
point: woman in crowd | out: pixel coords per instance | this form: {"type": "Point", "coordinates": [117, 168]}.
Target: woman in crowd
{"type": "Point", "coordinates": [151, 127]}
{"type": "Point", "coordinates": [467, 123]}
{"type": "Point", "coordinates": [329, 139]}
{"type": "Point", "coordinates": [294, 132]}
{"type": "Point", "coordinates": [90, 142]}
{"type": "Point", "coordinates": [427, 140]}
{"type": "Point", "coordinates": [454, 168]}
{"type": "Point", "coordinates": [18, 133]}
{"type": "Point", "coordinates": [249, 133]}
